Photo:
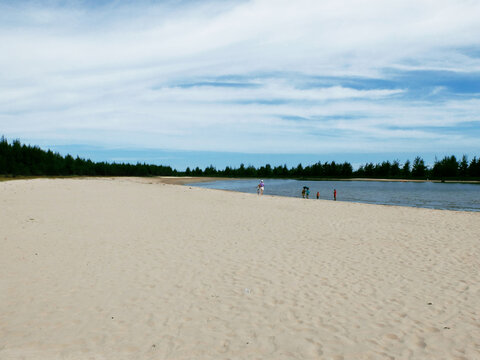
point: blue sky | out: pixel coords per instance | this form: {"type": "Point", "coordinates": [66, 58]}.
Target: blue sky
{"type": "Point", "coordinates": [186, 83]}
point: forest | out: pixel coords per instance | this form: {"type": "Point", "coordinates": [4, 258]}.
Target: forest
{"type": "Point", "coordinates": [25, 160]}
{"type": "Point", "coordinates": [17, 159]}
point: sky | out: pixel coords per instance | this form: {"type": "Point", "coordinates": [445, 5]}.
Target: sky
{"type": "Point", "coordinates": [195, 83]}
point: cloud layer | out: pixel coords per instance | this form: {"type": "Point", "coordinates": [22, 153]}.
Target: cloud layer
{"type": "Point", "coordinates": [253, 76]}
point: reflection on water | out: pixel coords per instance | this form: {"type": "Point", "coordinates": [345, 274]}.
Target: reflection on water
{"type": "Point", "coordinates": [449, 196]}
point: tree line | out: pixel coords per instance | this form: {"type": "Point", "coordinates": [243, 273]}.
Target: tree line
{"type": "Point", "coordinates": [25, 160]}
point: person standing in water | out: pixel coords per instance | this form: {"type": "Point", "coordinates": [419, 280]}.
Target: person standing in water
{"type": "Point", "coordinates": [307, 192]}
{"type": "Point", "coordinates": [335, 194]}
{"type": "Point", "coordinates": [318, 195]}
{"type": "Point", "coordinates": [261, 187]}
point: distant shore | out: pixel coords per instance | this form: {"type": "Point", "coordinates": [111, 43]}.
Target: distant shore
{"type": "Point", "coordinates": [395, 180]}
{"type": "Point", "coordinates": [183, 180]}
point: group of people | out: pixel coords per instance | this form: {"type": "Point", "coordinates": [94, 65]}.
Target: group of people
{"type": "Point", "coordinates": [305, 191]}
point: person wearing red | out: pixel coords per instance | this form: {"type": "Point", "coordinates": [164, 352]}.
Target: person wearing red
{"type": "Point", "coordinates": [335, 194]}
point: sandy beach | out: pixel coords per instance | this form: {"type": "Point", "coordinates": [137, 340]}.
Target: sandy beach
{"type": "Point", "coordinates": [139, 269]}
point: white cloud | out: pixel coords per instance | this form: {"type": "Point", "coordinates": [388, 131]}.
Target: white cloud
{"type": "Point", "coordinates": [112, 74]}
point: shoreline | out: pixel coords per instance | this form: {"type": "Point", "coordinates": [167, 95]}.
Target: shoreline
{"type": "Point", "coordinates": [398, 180]}
{"type": "Point", "coordinates": [445, 206]}
{"type": "Point", "coordinates": [183, 180]}
{"type": "Point", "coordinates": [192, 180]}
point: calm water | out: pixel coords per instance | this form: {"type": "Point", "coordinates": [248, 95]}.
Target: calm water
{"type": "Point", "coordinates": [464, 197]}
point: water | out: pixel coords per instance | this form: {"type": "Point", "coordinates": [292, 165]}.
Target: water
{"type": "Point", "coordinates": [450, 196]}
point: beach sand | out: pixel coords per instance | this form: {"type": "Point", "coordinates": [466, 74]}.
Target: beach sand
{"type": "Point", "coordinates": [136, 269]}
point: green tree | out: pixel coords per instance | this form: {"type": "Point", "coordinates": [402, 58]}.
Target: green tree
{"type": "Point", "coordinates": [406, 169]}
{"type": "Point", "coordinates": [395, 169]}
{"type": "Point", "coordinates": [463, 167]}
{"type": "Point", "coordinates": [419, 169]}
{"type": "Point", "coordinates": [445, 168]}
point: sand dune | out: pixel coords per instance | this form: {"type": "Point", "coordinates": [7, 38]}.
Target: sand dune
{"type": "Point", "coordinates": [125, 269]}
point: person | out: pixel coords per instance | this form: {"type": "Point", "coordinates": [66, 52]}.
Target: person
{"type": "Point", "coordinates": [335, 194]}
{"type": "Point", "coordinates": [307, 193]}
{"type": "Point", "coordinates": [318, 195]}
{"type": "Point", "coordinates": [303, 192]}
{"type": "Point", "coordinates": [261, 187]}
